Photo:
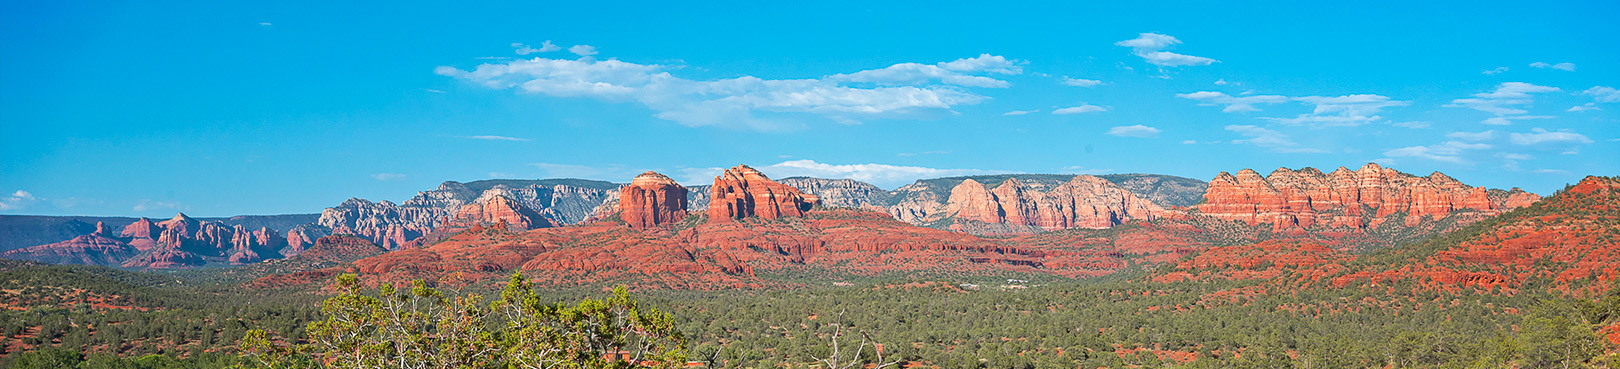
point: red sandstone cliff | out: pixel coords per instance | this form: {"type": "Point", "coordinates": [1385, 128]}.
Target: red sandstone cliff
{"type": "Point", "coordinates": [652, 200]}
{"type": "Point", "coordinates": [743, 192]}
{"type": "Point", "coordinates": [1362, 198]}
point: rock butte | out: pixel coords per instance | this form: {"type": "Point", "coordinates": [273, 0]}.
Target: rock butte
{"type": "Point", "coordinates": [652, 200]}
{"type": "Point", "coordinates": [742, 192]}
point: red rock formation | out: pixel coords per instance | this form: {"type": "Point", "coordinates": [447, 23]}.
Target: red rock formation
{"type": "Point", "coordinates": [743, 192]}
{"type": "Point", "coordinates": [142, 234]}
{"type": "Point", "coordinates": [652, 200]}
{"type": "Point", "coordinates": [340, 248]}
{"type": "Point", "coordinates": [500, 209]}
{"type": "Point", "coordinates": [99, 248]}
{"type": "Point", "coordinates": [1084, 201]}
{"type": "Point", "coordinates": [1308, 198]}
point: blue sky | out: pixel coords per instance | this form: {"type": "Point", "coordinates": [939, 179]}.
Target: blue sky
{"type": "Point", "coordinates": [223, 108]}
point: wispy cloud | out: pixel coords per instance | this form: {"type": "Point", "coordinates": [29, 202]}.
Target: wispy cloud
{"type": "Point", "coordinates": [582, 50]}
{"type": "Point", "coordinates": [18, 200]}
{"type": "Point", "coordinates": [1505, 101]}
{"type": "Point", "coordinates": [1538, 136]}
{"type": "Point", "coordinates": [1082, 108]}
{"type": "Point", "coordinates": [1413, 124]}
{"type": "Point", "coordinates": [266, 24]}
{"type": "Point", "coordinates": [1348, 110]}
{"type": "Point", "coordinates": [1020, 112]}
{"type": "Point", "coordinates": [734, 102]}
{"type": "Point", "coordinates": [1080, 82]}
{"type": "Point", "coordinates": [388, 176]}
{"type": "Point", "coordinates": [1586, 107]}
{"type": "Point", "coordinates": [1604, 94]}
{"type": "Point", "coordinates": [1276, 141]}
{"type": "Point", "coordinates": [546, 47]}
{"type": "Point", "coordinates": [1138, 131]}
{"type": "Point", "coordinates": [1151, 46]}
{"type": "Point", "coordinates": [495, 138]}
{"type": "Point", "coordinates": [1492, 72]}
{"type": "Point", "coordinates": [1560, 66]}
{"type": "Point", "coordinates": [1449, 151]}
{"type": "Point", "coordinates": [950, 73]}
{"type": "Point", "coordinates": [1234, 104]}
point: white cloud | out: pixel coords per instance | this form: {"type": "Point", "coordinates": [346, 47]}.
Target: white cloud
{"type": "Point", "coordinates": [1448, 151]}
{"type": "Point", "coordinates": [1276, 141]}
{"type": "Point", "coordinates": [1138, 131]}
{"type": "Point", "coordinates": [546, 47]}
{"type": "Point", "coordinates": [495, 138]}
{"type": "Point", "coordinates": [147, 204]}
{"type": "Point", "coordinates": [388, 176]}
{"type": "Point", "coordinates": [1189, 142]}
{"type": "Point", "coordinates": [582, 50]}
{"type": "Point", "coordinates": [1348, 110]}
{"type": "Point", "coordinates": [1020, 112]}
{"type": "Point", "coordinates": [1540, 136]}
{"type": "Point", "coordinates": [1505, 101]}
{"type": "Point", "coordinates": [1080, 82]}
{"type": "Point", "coordinates": [18, 200]}
{"type": "Point", "coordinates": [733, 102]}
{"type": "Point", "coordinates": [952, 73]}
{"type": "Point", "coordinates": [1413, 124]}
{"type": "Point", "coordinates": [1581, 108]}
{"type": "Point", "coordinates": [1083, 108]}
{"type": "Point", "coordinates": [1472, 136]}
{"type": "Point", "coordinates": [266, 24]}
{"type": "Point", "coordinates": [1150, 47]}
{"type": "Point", "coordinates": [1220, 82]}
{"type": "Point", "coordinates": [882, 175]}
{"type": "Point", "coordinates": [1492, 72]}
{"type": "Point", "coordinates": [1560, 66]}
{"type": "Point", "coordinates": [1603, 94]}
{"type": "Point", "coordinates": [1233, 103]}
{"type": "Point", "coordinates": [1507, 120]}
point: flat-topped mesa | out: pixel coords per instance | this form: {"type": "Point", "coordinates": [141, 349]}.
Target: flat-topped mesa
{"type": "Point", "coordinates": [743, 192]}
{"type": "Point", "coordinates": [1307, 197]}
{"type": "Point", "coordinates": [652, 200]}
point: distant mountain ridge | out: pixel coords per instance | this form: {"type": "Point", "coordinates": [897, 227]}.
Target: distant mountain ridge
{"type": "Point", "coordinates": [19, 231]}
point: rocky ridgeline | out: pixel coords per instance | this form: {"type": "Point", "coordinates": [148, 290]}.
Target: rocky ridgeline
{"type": "Point", "coordinates": [1362, 198]}
{"type": "Point", "coordinates": [175, 243]}
{"type": "Point", "coordinates": [525, 204]}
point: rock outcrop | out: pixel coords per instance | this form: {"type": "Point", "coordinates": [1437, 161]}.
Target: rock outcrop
{"type": "Point", "coordinates": [652, 200]}
{"type": "Point", "coordinates": [1357, 199]}
{"type": "Point", "coordinates": [742, 192]}
{"type": "Point", "coordinates": [1084, 201]}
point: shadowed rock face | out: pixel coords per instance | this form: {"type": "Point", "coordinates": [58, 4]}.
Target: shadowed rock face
{"type": "Point", "coordinates": [743, 192]}
{"type": "Point", "coordinates": [99, 248]}
{"type": "Point", "coordinates": [652, 200]}
{"type": "Point", "coordinates": [1347, 199]}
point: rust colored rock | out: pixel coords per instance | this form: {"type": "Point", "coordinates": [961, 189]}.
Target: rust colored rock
{"type": "Point", "coordinates": [1308, 198]}
{"type": "Point", "coordinates": [743, 192]}
{"type": "Point", "coordinates": [99, 248]}
{"type": "Point", "coordinates": [652, 200]}
{"type": "Point", "coordinates": [495, 209]}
